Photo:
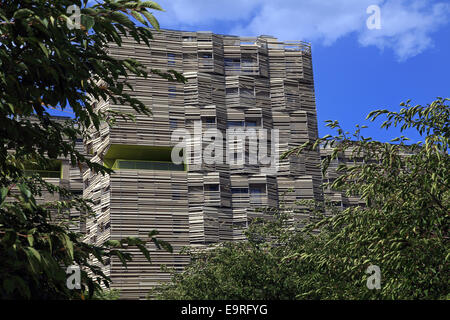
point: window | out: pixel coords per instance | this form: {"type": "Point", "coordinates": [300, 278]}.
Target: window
{"type": "Point", "coordinates": [253, 122]}
{"type": "Point", "coordinates": [171, 58]}
{"type": "Point", "coordinates": [235, 124]}
{"type": "Point", "coordinates": [247, 60]}
{"type": "Point", "coordinates": [141, 157]}
{"type": "Point", "coordinates": [247, 92]}
{"type": "Point", "coordinates": [173, 124]}
{"type": "Point", "coordinates": [195, 189]}
{"type": "Point", "coordinates": [232, 64]}
{"type": "Point", "coordinates": [257, 193]}
{"type": "Point", "coordinates": [232, 91]}
{"type": "Point", "coordinates": [211, 187]}
{"type": "Point", "coordinates": [209, 121]}
{"type": "Point", "coordinates": [148, 165]}
{"type": "Point", "coordinates": [172, 91]}
{"type": "Point", "coordinates": [239, 191]}
{"type": "Point", "coordinates": [262, 94]}
{"type": "Point", "coordinates": [189, 39]}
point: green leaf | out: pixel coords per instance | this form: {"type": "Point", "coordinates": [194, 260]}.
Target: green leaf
{"type": "Point", "coordinates": [144, 251]}
{"type": "Point", "coordinates": [151, 19]}
{"type": "Point", "coordinates": [138, 17]}
{"type": "Point", "coordinates": [25, 191]}
{"type": "Point", "coordinates": [152, 5]}
{"type": "Point", "coordinates": [3, 194]}
{"type": "Point", "coordinates": [67, 244]}
{"type": "Point", "coordinates": [122, 19]}
{"type": "Point", "coordinates": [87, 21]}
{"type": "Point", "coordinates": [43, 48]}
{"type": "Point", "coordinates": [153, 233]}
{"type": "Point", "coordinates": [22, 13]}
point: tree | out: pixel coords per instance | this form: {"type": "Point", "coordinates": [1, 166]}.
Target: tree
{"type": "Point", "coordinates": [402, 228]}
{"type": "Point", "coordinates": [53, 58]}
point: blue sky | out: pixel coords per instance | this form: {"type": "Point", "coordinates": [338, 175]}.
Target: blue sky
{"type": "Point", "coordinates": [356, 70]}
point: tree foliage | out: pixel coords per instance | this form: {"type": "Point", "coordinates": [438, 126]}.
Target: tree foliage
{"type": "Point", "coordinates": [48, 61]}
{"type": "Point", "coordinates": [402, 228]}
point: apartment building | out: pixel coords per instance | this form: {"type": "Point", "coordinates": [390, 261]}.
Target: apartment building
{"type": "Point", "coordinates": [234, 84]}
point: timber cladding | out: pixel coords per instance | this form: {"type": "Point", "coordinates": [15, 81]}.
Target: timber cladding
{"type": "Point", "coordinates": [232, 82]}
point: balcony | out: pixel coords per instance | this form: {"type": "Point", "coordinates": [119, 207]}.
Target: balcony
{"type": "Point", "coordinates": [147, 165]}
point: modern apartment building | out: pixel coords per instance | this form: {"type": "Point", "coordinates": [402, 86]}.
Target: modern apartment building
{"type": "Point", "coordinates": [339, 198]}
{"type": "Point", "coordinates": [245, 84]}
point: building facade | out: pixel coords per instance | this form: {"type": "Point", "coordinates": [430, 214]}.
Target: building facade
{"type": "Point", "coordinates": [233, 84]}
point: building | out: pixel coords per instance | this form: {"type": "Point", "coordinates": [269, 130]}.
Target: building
{"type": "Point", "coordinates": [232, 83]}
{"type": "Point", "coordinates": [60, 173]}
{"type": "Point", "coordinates": [347, 158]}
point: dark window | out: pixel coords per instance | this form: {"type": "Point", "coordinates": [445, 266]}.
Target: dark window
{"type": "Point", "coordinates": [257, 189]}
{"type": "Point", "coordinates": [148, 165]}
{"type": "Point", "coordinates": [252, 122]}
{"type": "Point", "coordinates": [232, 63]}
{"type": "Point", "coordinates": [211, 187]}
{"type": "Point", "coordinates": [192, 189]}
{"type": "Point", "coordinates": [247, 60]}
{"type": "Point", "coordinates": [210, 119]}
{"type": "Point", "coordinates": [235, 124]}
{"type": "Point", "coordinates": [232, 91]}
{"type": "Point", "coordinates": [239, 190]}
{"type": "Point", "coordinates": [246, 92]}
{"type": "Point", "coordinates": [172, 91]}
{"type": "Point", "coordinates": [171, 58]}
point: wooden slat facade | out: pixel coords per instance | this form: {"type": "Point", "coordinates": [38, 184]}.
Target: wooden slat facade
{"type": "Point", "coordinates": [257, 82]}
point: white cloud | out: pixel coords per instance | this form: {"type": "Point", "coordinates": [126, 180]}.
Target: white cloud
{"type": "Point", "coordinates": [406, 26]}
{"type": "Point", "coordinates": [190, 13]}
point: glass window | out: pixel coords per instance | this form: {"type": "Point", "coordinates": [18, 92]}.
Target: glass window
{"type": "Point", "coordinates": [172, 91]}
{"type": "Point", "coordinates": [252, 122]}
{"type": "Point", "coordinates": [171, 58]}
{"type": "Point", "coordinates": [232, 91]}
{"type": "Point", "coordinates": [235, 124]}
{"type": "Point", "coordinates": [211, 187]}
{"type": "Point", "coordinates": [239, 190]}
